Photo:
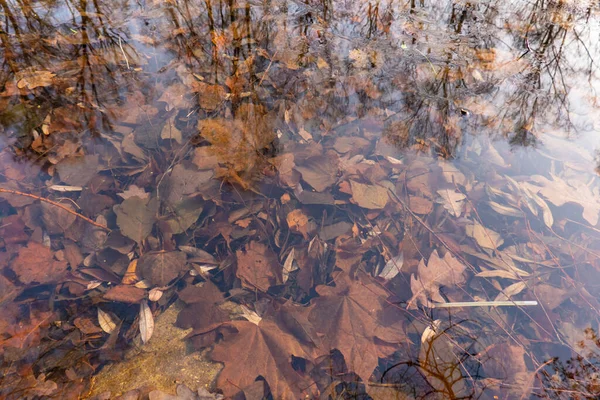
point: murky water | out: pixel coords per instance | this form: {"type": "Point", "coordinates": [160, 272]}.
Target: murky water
{"type": "Point", "coordinates": [317, 183]}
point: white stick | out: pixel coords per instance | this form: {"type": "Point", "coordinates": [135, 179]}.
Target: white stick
{"type": "Point", "coordinates": [485, 304]}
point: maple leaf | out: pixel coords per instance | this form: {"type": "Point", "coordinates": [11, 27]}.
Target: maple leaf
{"type": "Point", "coordinates": [350, 317]}
{"type": "Point", "coordinates": [447, 271]}
{"type": "Point", "coordinates": [262, 349]}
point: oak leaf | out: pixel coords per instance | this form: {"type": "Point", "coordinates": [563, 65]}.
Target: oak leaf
{"type": "Point", "coordinates": [350, 317]}
{"type": "Point", "coordinates": [452, 201]}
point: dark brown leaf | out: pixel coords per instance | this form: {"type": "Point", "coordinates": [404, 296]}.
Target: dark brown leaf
{"type": "Point", "coordinates": [162, 267]}
{"type": "Point", "coordinates": [35, 263]}
{"type": "Point", "coordinates": [258, 267]}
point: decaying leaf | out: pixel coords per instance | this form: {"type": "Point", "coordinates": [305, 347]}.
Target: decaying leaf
{"type": "Point", "coordinates": [289, 266]}
{"type": "Point", "coordinates": [261, 349]}
{"type": "Point", "coordinates": [258, 266]}
{"type": "Point", "coordinates": [162, 267]}
{"type": "Point", "coordinates": [485, 237]}
{"type": "Point", "coordinates": [36, 263]}
{"type": "Point", "coordinates": [136, 217]}
{"type": "Point", "coordinates": [447, 271]}
{"type": "Point", "coordinates": [392, 267]}
{"type": "Point", "coordinates": [107, 321]}
{"type": "Point", "coordinates": [560, 192]}
{"type": "Point", "coordinates": [372, 197]}
{"type": "Point", "coordinates": [349, 317]}
{"type": "Point", "coordinates": [319, 172]}
{"type": "Point", "coordinates": [146, 322]}
{"type": "Point", "coordinates": [452, 201]}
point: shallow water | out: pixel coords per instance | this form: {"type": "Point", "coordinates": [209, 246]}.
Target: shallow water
{"type": "Point", "coordinates": [322, 173]}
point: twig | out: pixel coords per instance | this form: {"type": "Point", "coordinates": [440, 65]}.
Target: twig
{"type": "Point", "coordinates": [484, 304]}
{"type": "Point", "coordinates": [124, 55]}
{"type": "Point", "coordinates": [67, 209]}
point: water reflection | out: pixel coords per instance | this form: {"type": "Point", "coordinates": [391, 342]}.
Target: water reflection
{"type": "Point", "coordinates": [351, 135]}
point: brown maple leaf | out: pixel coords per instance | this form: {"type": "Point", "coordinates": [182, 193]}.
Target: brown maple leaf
{"type": "Point", "coordinates": [262, 349]}
{"type": "Point", "coordinates": [447, 271]}
{"type": "Point", "coordinates": [350, 317]}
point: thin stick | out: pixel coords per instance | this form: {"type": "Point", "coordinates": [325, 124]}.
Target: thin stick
{"type": "Point", "coordinates": [484, 304]}
{"type": "Point", "coordinates": [123, 52]}
{"type": "Point", "coordinates": [67, 209]}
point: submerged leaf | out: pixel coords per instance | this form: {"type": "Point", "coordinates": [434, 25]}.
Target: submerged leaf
{"type": "Point", "coordinates": [107, 321]}
{"type": "Point", "coordinates": [162, 267]}
{"type": "Point", "coordinates": [452, 201]}
{"type": "Point", "coordinates": [447, 271]}
{"type": "Point", "coordinates": [485, 237]}
{"type": "Point", "coordinates": [372, 197]}
{"type": "Point", "coordinates": [136, 217]}
{"type": "Point", "coordinates": [146, 322]}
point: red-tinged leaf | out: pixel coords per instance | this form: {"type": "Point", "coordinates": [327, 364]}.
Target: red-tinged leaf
{"type": "Point", "coordinates": [125, 294]}
{"type": "Point", "coordinates": [258, 267]}
{"type": "Point", "coordinates": [350, 317]}
{"type": "Point", "coordinates": [162, 267]}
{"type": "Point", "coordinates": [35, 263]}
{"type": "Point", "coordinates": [264, 350]}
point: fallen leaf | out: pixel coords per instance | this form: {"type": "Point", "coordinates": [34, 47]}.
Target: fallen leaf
{"type": "Point", "coordinates": [261, 350]}
{"type": "Point", "coordinates": [35, 263]}
{"type": "Point", "coordinates": [420, 205]}
{"type": "Point", "coordinates": [170, 132]}
{"type": "Point", "coordinates": [136, 217]}
{"type": "Point", "coordinates": [258, 266]}
{"type": "Point", "coordinates": [392, 267]}
{"type": "Point", "coordinates": [125, 294]}
{"type": "Point", "coordinates": [447, 271]}
{"type": "Point", "coordinates": [107, 321]}
{"type": "Point", "coordinates": [560, 192]}
{"type": "Point", "coordinates": [31, 79]}
{"type": "Point", "coordinates": [320, 172]}
{"type": "Point", "coordinates": [78, 171]}
{"type": "Point", "coordinates": [372, 197]}
{"type": "Point", "coordinates": [452, 201]}
{"type": "Point", "coordinates": [289, 266]}
{"type": "Point", "coordinates": [146, 322]}
{"type": "Point", "coordinates": [349, 317]}
{"type": "Point", "coordinates": [485, 237]}
{"type": "Point", "coordinates": [161, 267]}
{"type": "Point", "coordinates": [298, 222]}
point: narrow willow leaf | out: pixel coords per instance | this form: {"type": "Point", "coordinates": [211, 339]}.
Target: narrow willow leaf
{"type": "Point", "coordinates": [511, 291]}
{"type": "Point", "coordinates": [392, 267]}
{"type": "Point", "coordinates": [146, 322]}
{"type": "Point", "coordinates": [497, 274]}
{"type": "Point", "coordinates": [506, 210]}
{"type": "Point", "coordinates": [289, 266]}
{"type": "Point", "coordinates": [106, 321]}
